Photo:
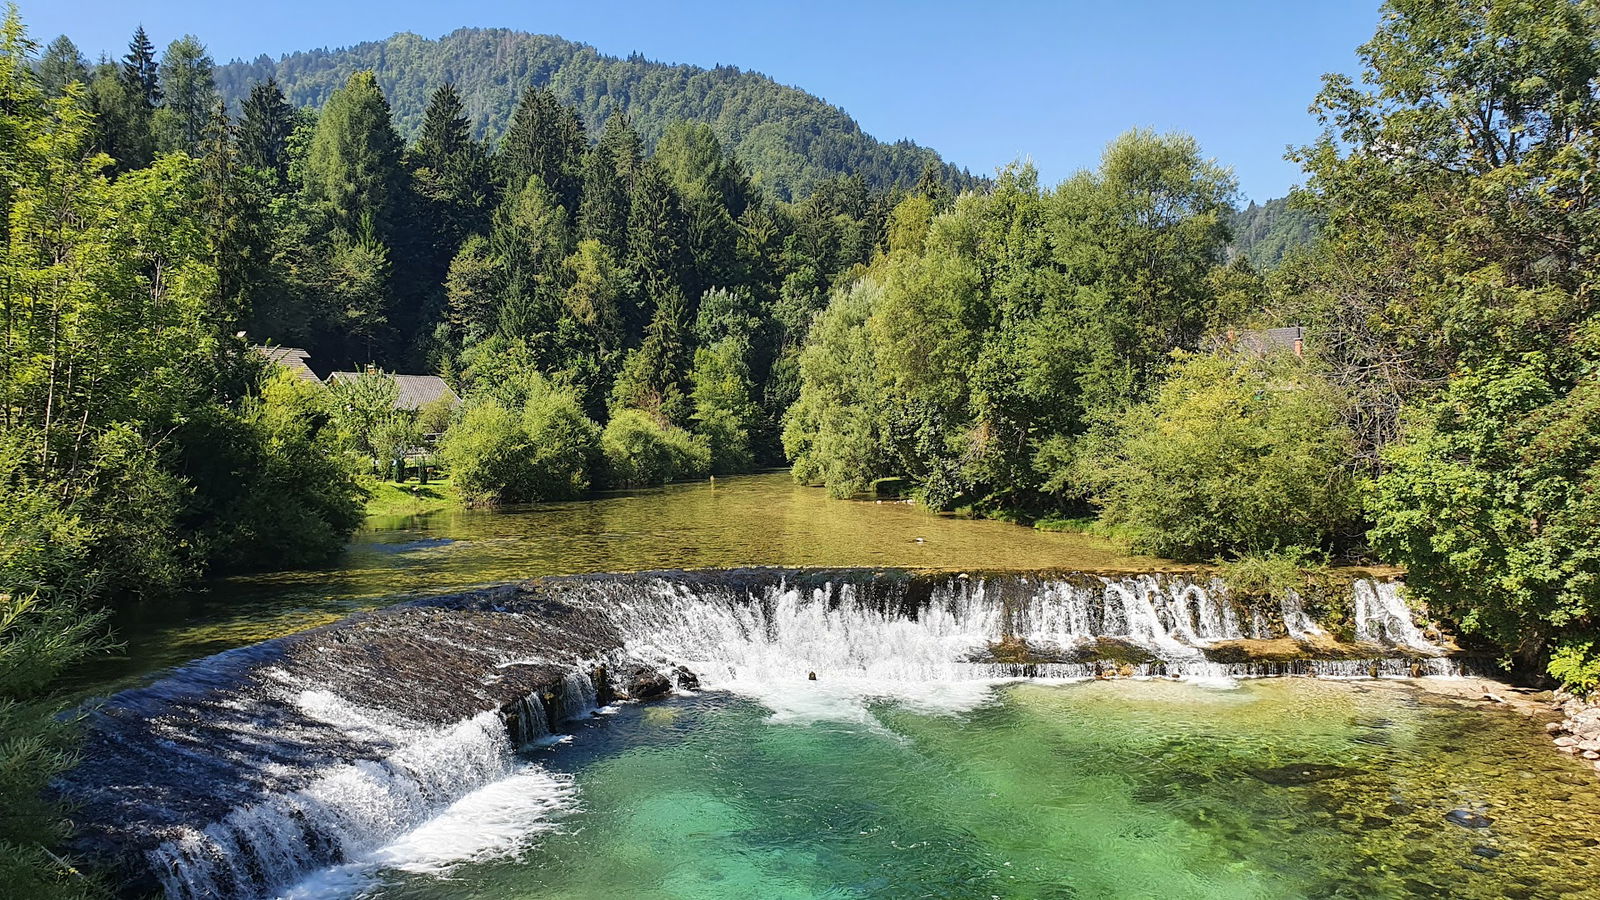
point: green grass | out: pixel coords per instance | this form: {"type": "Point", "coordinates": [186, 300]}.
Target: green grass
{"type": "Point", "coordinates": [387, 498]}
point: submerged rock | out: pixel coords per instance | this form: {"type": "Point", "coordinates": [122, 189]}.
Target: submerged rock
{"type": "Point", "coordinates": [1302, 774]}
{"type": "Point", "coordinates": [1466, 818]}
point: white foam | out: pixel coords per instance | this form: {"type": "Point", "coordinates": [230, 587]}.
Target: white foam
{"type": "Point", "coordinates": [499, 820]}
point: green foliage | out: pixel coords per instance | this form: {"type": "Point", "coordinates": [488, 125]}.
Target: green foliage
{"type": "Point", "coordinates": [791, 140]}
{"type": "Point", "coordinates": [546, 449]}
{"type": "Point", "coordinates": [60, 66]}
{"type": "Point", "coordinates": [265, 125]}
{"type": "Point", "coordinates": [1491, 503]}
{"type": "Point", "coordinates": [285, 492]}
{"type": "Point", "coordinates": [352, 167]}
{"type": "Point", "coordinates": [724, 412]}
{"type": "Point", "coordinates": [40, 636]}
{"type": "Point", "coordinates": [1454, 287]}
{"type": "Point", "coordinates": [1237, 453]}
{"type": "Point", "coordinates": [189, 95]}
{"type": "Point", "coordinates": [987, 335]}
{"type": "Point", "coordinates": [363, 409]}
{"type": "Point", "coordinates": [832, 432]}
{"type": "Point", "coordinates": [641, 450]}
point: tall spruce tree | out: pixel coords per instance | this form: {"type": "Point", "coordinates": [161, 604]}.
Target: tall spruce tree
{"type": "Point", "coordinates": [123, 99]}
{"type": "Point", "coordinates": [190, 96]}
{"type": "Point", "coordinates": [658, 256]}
{"type": "Point", "coordinates": [451, 180]}
{"type": "Point", "coordinates": [265, 123]}
{"type": "Point", "coordinates": [608, 173]}
{"type": "Point", "coordinates": [545, 139]}
{"type": "Point", "coordinates": [141, 71]}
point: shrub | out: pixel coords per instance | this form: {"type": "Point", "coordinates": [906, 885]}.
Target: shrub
{"type": "Point", "coordinates": [1237, 453]}
{"type": "Point", "coordinates": [640, 450]}
{"type": "Point", "coordinates": [545, 451]}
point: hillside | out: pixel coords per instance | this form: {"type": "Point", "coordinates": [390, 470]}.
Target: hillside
{"type": "Point", "coordinates": [790, 139]}
{"type": "Point", "coordinates": [1265, 233]}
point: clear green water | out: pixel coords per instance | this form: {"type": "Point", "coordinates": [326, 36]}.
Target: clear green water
{"type": "Point", "coordinates": [749, 520]}
{"type": "Point", "coordinates": [1098, 790]}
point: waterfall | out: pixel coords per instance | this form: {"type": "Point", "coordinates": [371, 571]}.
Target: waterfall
{"type": "Point", "coordinates": [1381, 615]}
{"type": "Point", "coordinates": [239, 775]}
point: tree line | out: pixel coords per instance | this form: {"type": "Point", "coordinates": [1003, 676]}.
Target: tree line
{"type": "Point", "coordinates": [1094, 352]}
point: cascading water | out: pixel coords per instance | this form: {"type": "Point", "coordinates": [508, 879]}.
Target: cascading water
{"type": "Point", "coordinates": [241, 774]}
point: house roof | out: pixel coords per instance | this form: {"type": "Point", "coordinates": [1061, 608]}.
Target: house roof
{"type": "Point", "coordinates": [1263, 340]}
{"type": "Point", "coordinates": [416, 391]}
{"type": "Point", "coordinates": [292, 358]}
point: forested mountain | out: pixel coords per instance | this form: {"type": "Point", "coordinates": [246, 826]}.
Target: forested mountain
{"type": "Point", "coordinates": [1265, 233]}
{"type": "Point", "coordinates": [789, 139]}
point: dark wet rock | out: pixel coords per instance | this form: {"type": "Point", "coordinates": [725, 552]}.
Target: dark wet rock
{"type": "Point", "coordinates": [1466, 818]}
{"type": "Point", "coordinates": [1302, 773]}
{"type": "Point", "coordinates": [1486, 852]}
{"type": "Point", "coordinates": [1471, 866]}
{"type": "Point", "coordinates": [1397, 810]}
{"type": "Point", "coordinates": [811, 676]}
{"type": "Point", "coordinates": [637, 681]}
{"type": "Point", "coordinates": [687, 680]}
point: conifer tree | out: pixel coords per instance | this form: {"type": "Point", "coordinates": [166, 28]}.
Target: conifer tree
{"type": "Point", "coordinates": [190, 96]}
{"type": "Point", "coordinates": [657, 242]}
{"type": "Point", "coordinates": [61, 65]}
{"type": "Point", "coordinates": [545, 139]}
{"type": "Point", "coordinates": [140, 69]}
{"type": "Point", "coordinates": [266, 121]}
{"type": "Point", "coordinates": [352, 169]}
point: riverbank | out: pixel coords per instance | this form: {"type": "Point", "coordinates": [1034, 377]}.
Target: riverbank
{"type": "Point", "coordinates": [388, 499]}
{"type": "Point", "coordinates": [1578, 731]}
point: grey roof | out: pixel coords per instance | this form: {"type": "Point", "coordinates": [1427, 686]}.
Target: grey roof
{"type": "Point", "coordinates": [292, 358]}
{"type": "Point", "coordinates": [416, 391]}
{"type": "Point", "coordinates": [1263, 340]}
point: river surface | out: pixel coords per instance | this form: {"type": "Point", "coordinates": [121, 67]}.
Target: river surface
{"type": "Point", "coordinates": [751, 520]}
{"type": "Point", "coordinates": [1262, 789]}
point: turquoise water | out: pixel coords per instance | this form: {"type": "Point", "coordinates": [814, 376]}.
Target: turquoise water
{"type": "Point", "coordinates": [1269, 789]}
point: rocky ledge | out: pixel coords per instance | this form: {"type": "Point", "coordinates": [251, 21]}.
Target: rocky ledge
{"type": "Point", "coordinates": [1579, 732]}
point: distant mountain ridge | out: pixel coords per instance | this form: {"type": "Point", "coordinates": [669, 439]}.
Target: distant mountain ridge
{"type": "Point", "coordinates": [790, 139]}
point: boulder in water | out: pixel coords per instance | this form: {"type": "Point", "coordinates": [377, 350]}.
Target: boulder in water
{"type": "Point", "coordinates": [641, 682]}
{"type": "Point", "coordinates": [687, 680]}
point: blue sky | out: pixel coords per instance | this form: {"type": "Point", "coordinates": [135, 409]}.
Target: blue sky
{"type": "Point", "coordinates": [982, 83]}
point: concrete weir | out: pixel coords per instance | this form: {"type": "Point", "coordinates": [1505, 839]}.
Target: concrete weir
{"type": "Point", "coordinates": [238, 775]}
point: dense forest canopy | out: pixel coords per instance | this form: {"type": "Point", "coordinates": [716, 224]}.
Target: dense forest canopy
{"type": "Point", "coordinates": [1265, 233]}
{"type": "Point", "coordinates": [790, 140]}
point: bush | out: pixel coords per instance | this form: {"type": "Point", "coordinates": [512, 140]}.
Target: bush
{"type": "Point", "coordinates": [280, 492]}
{"type": "Point", "coordinates": [1237, 453]}
{"type": "Point", "coordinates": [1492, 503]}
{"type": "Point", "coordinates": [640, 450]}
{"type": "Point", "coordinates": [545, 451]}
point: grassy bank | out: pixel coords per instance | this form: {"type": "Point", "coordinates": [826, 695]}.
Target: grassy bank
{"type": "Point", "coordinates": [387, 498]}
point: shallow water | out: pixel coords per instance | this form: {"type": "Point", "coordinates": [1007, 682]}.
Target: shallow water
{"type": "Point", "coordinates": [1271, 789]}
{"type": "Point", "coordinates": [753, 520]}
